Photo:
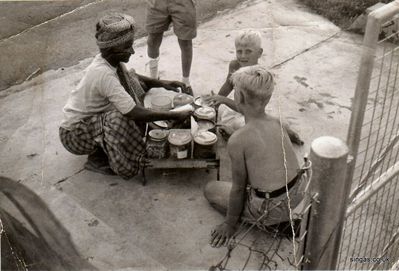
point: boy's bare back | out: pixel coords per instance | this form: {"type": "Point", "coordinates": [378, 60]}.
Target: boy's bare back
{"type": "Point", "coordinates": [258, 150]}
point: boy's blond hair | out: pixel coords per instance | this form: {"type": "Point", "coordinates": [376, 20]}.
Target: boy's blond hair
{"type": "Point", "coordinates": [255, 82]}
{"type": "Point", "coordinates": [249, 37]}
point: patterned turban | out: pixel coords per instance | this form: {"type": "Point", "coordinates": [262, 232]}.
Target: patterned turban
{"type": "Point", "coordinates": [114, 29]}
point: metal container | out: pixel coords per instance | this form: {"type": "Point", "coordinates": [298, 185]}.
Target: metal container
{"type": "Point", "coordinates": [161, 103]}
{"type": "Point", "coordinates": [180, 143]}
{"type": "Point", "coordinates": [206, 125]}
{"type": "Point", "coordinates": [157, 144]}
{"type": "Point", "coordinates": [182, 99]}
{"type": "Point", "coordinates": [205, 145]}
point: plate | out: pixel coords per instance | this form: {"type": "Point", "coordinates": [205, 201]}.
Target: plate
{"type": "Point", "coordinates": [198, 101]}
{"type": "Point", "coordinates": [161, 123]}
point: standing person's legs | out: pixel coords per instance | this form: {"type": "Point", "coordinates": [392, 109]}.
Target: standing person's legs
{"type": "Point", "coordinates": [154, 41]}
{"type": "Point", "coordinates": [186, 48]}
{"type": "Point", "coordinates": [184, 18]}
{"type": "Point", "coordinates": [157, 22]}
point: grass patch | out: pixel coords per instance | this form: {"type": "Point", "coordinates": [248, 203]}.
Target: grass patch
{"type": "Point", "coordinates": [341, 12]}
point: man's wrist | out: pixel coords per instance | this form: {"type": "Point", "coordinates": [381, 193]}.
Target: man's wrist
{"type": "Point", "coordinates": [163, 83]}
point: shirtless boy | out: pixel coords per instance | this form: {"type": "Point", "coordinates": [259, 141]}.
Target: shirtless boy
{"type": "Point", "coordinates": [259, 174]}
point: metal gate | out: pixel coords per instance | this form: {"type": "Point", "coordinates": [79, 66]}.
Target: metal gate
{"type": "Point", "coordinates": [370, 237]}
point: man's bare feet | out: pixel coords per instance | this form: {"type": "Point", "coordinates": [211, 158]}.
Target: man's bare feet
{"type": "Point", "coordinates": [98, 162]}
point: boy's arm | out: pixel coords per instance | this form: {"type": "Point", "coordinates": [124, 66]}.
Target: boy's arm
{"type": "Point", "coordinates": [217, 100]}
{"type": "Point", "coordinates": [294, 136]}
{"type": "Point", "coordinates": [221, 234]}
{"type": "Point", "coordinates": [227, 87]}
{"type": "Point", "coordinates": [239, 183]}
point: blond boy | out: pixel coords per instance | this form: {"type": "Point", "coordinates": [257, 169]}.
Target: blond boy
{"type": "Point", "coordinates": [259, 172]}
{"type": "Point", "coordinates": [248, 45]}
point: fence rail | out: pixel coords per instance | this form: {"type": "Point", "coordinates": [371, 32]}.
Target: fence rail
{"type": "Point", "coordinates": [370, 235]}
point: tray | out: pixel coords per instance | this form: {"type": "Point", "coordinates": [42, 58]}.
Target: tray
{"type": "Point", "coordinates": [193, 163]}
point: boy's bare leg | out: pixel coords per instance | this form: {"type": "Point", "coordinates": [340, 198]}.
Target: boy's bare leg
{"type": "Point", "coordinates": [186, 47]}
{"type": "Point", "coordinates": [217, 193]}
{"type": "Point", "coordinates": [154, 41]}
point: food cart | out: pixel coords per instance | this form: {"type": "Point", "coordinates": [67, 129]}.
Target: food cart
{"type": "Point", "coordinates": [195, 146]}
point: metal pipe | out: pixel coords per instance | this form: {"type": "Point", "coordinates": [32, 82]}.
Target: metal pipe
{"type": "Point", "coordinates": [372, 188]}
{"type": "Point", "coordinates": [329, 156]}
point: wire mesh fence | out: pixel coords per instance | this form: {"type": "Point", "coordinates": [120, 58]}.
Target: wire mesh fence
{"type": "Point", "coordinates": [370, 235]}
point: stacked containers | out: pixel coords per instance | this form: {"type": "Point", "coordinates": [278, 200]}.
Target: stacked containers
{"type": "Point", "coordinates": [161, 103]}
{"type": "Point", "coordinates": [204, 145]}
{"type": "Point", "coordinates": [157, 144]}
{"type": "Point", "coordinates": [180, 143]}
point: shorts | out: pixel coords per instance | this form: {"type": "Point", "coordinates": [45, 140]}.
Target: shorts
{"type": "Point", "coordinates": [273, 210]}
{"type": "Point", "coordinates": [160, 13]}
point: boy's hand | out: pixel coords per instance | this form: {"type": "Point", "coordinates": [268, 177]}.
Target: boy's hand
{"type": "Point", "coordinates": [221, 235]}
{"type": "Point", "coordinates": [214, 100]}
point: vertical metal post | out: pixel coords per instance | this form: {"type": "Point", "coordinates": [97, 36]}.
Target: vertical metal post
{"type": "Point", "coordinates": [328, 156]}
{"type": "Point", "coordinates": [373, 27]}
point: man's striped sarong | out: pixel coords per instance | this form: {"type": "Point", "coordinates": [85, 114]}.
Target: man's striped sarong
{"type": "Point", "coordinates": [119, 137]}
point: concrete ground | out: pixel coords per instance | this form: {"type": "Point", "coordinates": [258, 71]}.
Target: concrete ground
{"type": "Point", "coordinates": [118, 224]}
{"type": "Point", "coordinates": [53, 34]}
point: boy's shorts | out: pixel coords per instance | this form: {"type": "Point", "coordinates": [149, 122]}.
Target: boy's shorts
{"type": "Point", "coordinates": [160, 13]}
{"type": "Point", "coordinates": [274, 210]}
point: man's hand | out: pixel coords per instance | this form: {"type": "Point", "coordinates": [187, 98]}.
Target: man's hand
{"type": "Point", "coordinates": [214, 100]}
{"type": "Point", "coordinates": [176, 85]}
{"type": "Point", "coordinates": [221, 235]}
{"type": "Point", "coordinates": [182, 116]}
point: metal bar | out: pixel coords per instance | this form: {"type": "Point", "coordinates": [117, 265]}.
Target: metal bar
{"type": "Point", "coordinates": [371, 189]}
{"type": "Point", "coordinates": [372, 117]}
{"type": "Point", "coordinates": [329, 158]}
{"type": "Point", "coordinates": [396, 112]}
{"type": "Point", "coordinates": [375, 235]}
{"type": "Point", "coordinates": [184, 163]}
{"type": "Point", "coordinates": [393, 217]}
{"type": "Point", "coordinates": [362, 89]}
{"type": "Point", "coordinates": [375, 165]}
{"type": "Point", "coordinates": [386, 222]}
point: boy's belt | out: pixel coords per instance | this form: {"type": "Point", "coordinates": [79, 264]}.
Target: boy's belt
{"type": "Point", "coordinates": [280, 191]}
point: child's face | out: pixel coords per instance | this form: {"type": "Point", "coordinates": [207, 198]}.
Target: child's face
{"type": "Point", "coordinates": [248, 54]}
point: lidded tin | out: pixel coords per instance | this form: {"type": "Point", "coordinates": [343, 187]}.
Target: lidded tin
{"type": "Point", "coordinates": [161, 103]}
{"type": "Point", "coordinates": [180, 143]}
{"type": "Point", "coordinates": [205, 113]}
{"type": "Point", "coordinates": [157, 144]}
{"type": "Point", "coordinates": [204, 144]}
{"type": "Point", "coordinates": [182, 99]}
{"type": "Point", "coordinates": [206, 125]}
